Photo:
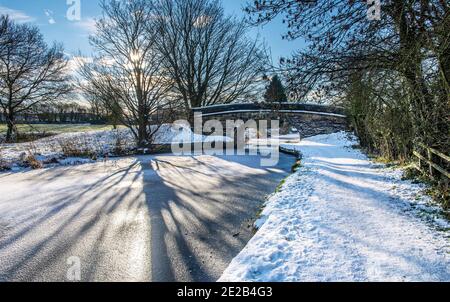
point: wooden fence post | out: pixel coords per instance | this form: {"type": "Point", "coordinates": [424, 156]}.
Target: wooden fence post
{"type": "Point", "coordinates": [430, 166]}
{"type": "Point", "coordinates": [433, 166]}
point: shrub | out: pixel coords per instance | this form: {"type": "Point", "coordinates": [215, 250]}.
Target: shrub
{"type": "Point", "coordinates": [32, 161]}
{"type": "Point", "coordinates": [3, 164]}
{"type": "Point", "coordinates": [120, 144]}
{"type": "Point", "coordinates": [78, 148]}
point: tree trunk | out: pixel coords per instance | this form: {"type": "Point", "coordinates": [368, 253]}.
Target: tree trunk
{"type": "Point", "coordinates": [11, 127]}
{"type": "Point", "coordinates": [444, 64]}
{"type": "Point", "coordinates": [421, 104]}
{"type": "Point", "coordinates": [411, 43]}
{"type": "Point", "coordinates": [142, 135]}
{"type": "Point", "coordinates": [142, 114]}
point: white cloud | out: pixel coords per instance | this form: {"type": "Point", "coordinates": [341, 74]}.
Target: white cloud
{"type": "Point", "coordinates": [76, 61]}
{"type": "Point", "coordinates": [87, 24]}
{"type": "Point", "coordinates": [16, 15]}
{"type": "Point", "coordinates": [49, 15]}
{"type": "Point", "coordinates": [202, 21]}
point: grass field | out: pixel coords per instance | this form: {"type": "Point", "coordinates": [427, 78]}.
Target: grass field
{"type": "Point", "coordinates": [56, 128]}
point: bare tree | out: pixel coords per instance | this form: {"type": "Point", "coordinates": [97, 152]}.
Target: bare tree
{"type": "Point", "coordinates": [207, 53]}
{"type": "Point", "coordinates": [31, 73]}
{"type": "Point", "coordinates": [100, 106]}
{"type": "Point", "coordinates": [128, 75]}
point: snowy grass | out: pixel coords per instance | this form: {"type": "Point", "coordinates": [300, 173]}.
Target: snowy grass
{"type": "Point", "coordinates": [57, 128]}
{"type": "Point", "coordinates": [82, 147]}
{"type": "Point", "coordinates": [342, 217]}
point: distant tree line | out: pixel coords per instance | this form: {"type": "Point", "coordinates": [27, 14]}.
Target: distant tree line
{"type": "Point", "coordinates": [61, 112]}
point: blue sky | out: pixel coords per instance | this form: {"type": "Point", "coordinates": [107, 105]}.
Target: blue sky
{"type": "Point", "coordinates": [50, 16]}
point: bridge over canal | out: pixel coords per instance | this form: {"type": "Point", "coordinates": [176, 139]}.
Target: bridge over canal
{"type": "Point", "coordinates": [308, 119]}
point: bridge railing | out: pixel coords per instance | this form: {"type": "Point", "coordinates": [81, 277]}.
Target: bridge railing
{"type": "Point", "coordinates": [267, 106]}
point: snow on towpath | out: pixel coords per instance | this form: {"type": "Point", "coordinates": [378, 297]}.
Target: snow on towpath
{"type": "Point", "coordinates": [343, 218]}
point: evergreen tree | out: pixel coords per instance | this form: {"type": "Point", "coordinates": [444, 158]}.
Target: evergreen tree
{"type": "Point", "coordinates": [275, 92]}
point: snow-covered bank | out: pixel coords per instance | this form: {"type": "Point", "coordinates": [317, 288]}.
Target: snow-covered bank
{"type": "Point", "coordinates": [341, 217]}
{"type": "Point", "coordinates": [101, 143]}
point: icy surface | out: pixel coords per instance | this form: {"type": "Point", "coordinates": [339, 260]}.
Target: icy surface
{"type": "Point", "coordinates": [341, 217]}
